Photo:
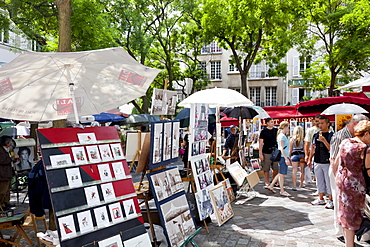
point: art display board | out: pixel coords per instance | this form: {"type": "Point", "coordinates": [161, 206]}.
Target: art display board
{"type": "Point", "coordinates": [221, 204]}
{"type": "Point", "coordinates": [173, 207]}
{"type": "Point", "coordinates": [93, 198]}
{"type": "Point", "coordinates": [202, 174]}
{"type": "Point", "coordinates": [163, 102]}
{"type": "Point", "coordinates": [164, 143]}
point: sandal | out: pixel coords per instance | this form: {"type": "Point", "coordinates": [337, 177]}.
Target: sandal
{"type": "Point", "coordinates": [270, 189]}
{"type": "Point", "coordinates": [285, 194]}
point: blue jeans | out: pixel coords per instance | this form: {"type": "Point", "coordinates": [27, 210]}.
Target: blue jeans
{"type": "Point", "coordinates": [283, 168]}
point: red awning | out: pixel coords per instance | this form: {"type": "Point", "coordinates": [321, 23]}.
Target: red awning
{"type": "Point", "coordinates": [334, 100]}
{"type": "Point", "coordinates": [290, 113]}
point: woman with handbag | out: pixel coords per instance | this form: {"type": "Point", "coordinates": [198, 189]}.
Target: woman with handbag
{"type": "Point", "coordinates": [283, 146]}
{"type": "Point", "coordinates": [297, 155]}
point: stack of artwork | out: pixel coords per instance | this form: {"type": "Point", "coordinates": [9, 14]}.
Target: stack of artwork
{"type": "Point", "coordinates": [172, 205]}
{"type": "Point", "coordinates": [164, 143]}
{"type": "Point", "coordinates": [92, 188]}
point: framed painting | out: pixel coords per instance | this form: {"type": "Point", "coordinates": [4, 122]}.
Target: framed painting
{"type": "Point", "coordinates": [221, 204]}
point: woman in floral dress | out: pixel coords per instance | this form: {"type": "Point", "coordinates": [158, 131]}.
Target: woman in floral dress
{"type": "Point", "coordinates": [350, 181]}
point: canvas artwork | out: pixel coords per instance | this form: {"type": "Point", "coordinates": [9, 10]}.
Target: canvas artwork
{"type": "Point", "coordinates": [86, 138]}
{"type": "Point", "coordinates": [255, 164]}
{"type": "Point", "coordinates": [104, 172]}
{"type": "Point", "coordinates": [79, 155]}
{"type": "Point", "coordinates": [229, 189]}
{"type": "Point", "coordinates": [67, 227]}
{"type": "Point", "coordinates": [175, 139]}
{"type": "Point", "coordinates": [179, 223]}
{"type": "Point", "coordinates": [92, 195]}
{"type": "Point", "coordinates": [170, 100]}
{"type": "Point", "coordinates": [25, 162]}
{"type": "Point", "coordinates": [60, 160]}
{"type": "Point", "coordinates": [129, 207]}
{"type": "Point", "coordinates": [157, 143]}
{"type": "Point", "coordinates": [105, 152]}
{"type": "Point", "coordinates": [93, 154]}
{"type": "Point", "coordinates": [237, 172]}
{"type": "Point", "coordinates": [161, 185]}
{"type": "Point", "coordinates": [114, 241]}
{"type": "Point", "coordinates": [167, 141]}
{"type": "Point", "coordinates": [205, 179]}
{"type": "Point", "coordinates": [142, 240]}
{"type": "Point", "coordinates": [221, 204]}
{"type": "Point", "coordinates": [108, 192]}
{"type": "Point", "coordinates": [85, 221]}
{"type": "Point", "coordinates": [116, 212]}
{"type": "Point", "coordinates": [157, 102]}
{"type": "Point", "coordinates": [74, 177]}
{"type": "Point", "coordinates": [117, 151]}
{"type": "Point", "coordinates": [203, 199]}
{"type": "Point", "coordinates": [101, 217]}
{"type": "Point", "coordinates": [119, 172]}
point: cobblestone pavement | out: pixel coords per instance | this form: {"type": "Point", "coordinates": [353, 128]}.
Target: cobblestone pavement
{"type": "Point", "coordinates": [273, 220]}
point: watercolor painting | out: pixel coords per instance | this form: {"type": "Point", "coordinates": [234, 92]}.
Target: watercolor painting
{"type": "Point", "coordinates": [79, 155]}
{"type": "Point", "coordinates": [119, 172]}
{"type": "Point", "coordinates": [114, 241]}
{"type": "Point", "coordinates": [86, 138]}
{"type": "Point", "coordinates": [101, 217]}
{"type": "Point", "coordinates": [104, 172]}
{"type": "Point", "coordinates": [92, 195]}
{"type": "Point", "coordinates": [74, 177]}
{"type": "Point", "coordinates": [93, 154]}
{"type": "Point", "coordinates": [60, 160]}
{"type": "Point", "coordinates": [85, 221]}
{"type": "Point", "coordinates": [116, 212]}
{"type": "Point", "coordinates": [105, 152]}
{"type": "Point", "coordinates": [67, 227]}
{"type": "Point", "coordinates": [117, 151]}
{"type": "Point", "coordinates": [108, 192]}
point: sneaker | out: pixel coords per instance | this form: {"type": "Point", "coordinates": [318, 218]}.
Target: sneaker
{"type": "Point", "coordinates": [294, 189]}
{"type": "Point", "coordinates": [329, 204]}
{"type": "Point", "coordinates": [318, 201]}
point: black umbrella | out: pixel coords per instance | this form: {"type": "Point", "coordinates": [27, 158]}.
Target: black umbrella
{"type": "Point", "coordinates": [245, 112]}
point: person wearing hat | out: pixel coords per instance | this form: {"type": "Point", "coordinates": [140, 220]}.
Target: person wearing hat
{"type": "Point", "coordinates": [230, 141]}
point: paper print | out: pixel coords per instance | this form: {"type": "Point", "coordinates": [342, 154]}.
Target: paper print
{"type": "Point", "coordinates": [74, 177]}
{"type": "Point", "coordinates": [101, 217]}
{"type": "Point", "coordinates": [175, 139]}
{"type": "Point", "coordinates": [104, 172]}
{"type": "Point", "coordinates": [158, 102]}
{"type": "Point", "coordinates": [157, 143]}
{"type": "Point", "coordinates": [129, 207]}
{"type": "Point", "coordinates": [79, 155]}
{"type": "Point", "coordinates": [92, 195]}
{"type": "Point", "coordinates": [93, 154]}
{"type": "Point", "coordinates": [174, 178]}
{"type": "Point", "coordinates": [67, 227]}
{"type": "Point", "coordinates": [205, 179]}
{"type": "Point", "coordinates": [221, 204]}
{"type": "Point", "coordinates": [167, 148]}
{"type": "Point", "coordinates": [237, 172]}
{"type": "Point", "coordinates": [86, 138]}
{"type": "Point", "coordinates": [119, 171]}
{"type": "Point", "coordinates": [85, 221]}
{"type": "Point", "coordinates": [116, 212]}
{"type": "Point", "coordinates": [105, 152]}
{"type": "Point", "coordinates": [161, 185]}
{"type": "Point", "coordinates": [117, 151]}
{"type": "Point", "coordinates": [229, 190]}
{"type": "Point", "coordinates": [114, 241]}
{"type": "Point", "coordinates": [203, 199]}
{"type": "Point", "coordinates": [108, 192]}
{"type": "Point", "coordinates": [142, 240]}
{"type": "Point", "coordinates": [60, 160]}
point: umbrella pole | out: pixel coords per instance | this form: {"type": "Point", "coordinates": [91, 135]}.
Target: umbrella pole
{"type": "Point", "coordinates": [74, 105]}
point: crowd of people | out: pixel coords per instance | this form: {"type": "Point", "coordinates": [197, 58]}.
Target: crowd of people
{"type": "Point", "coordinates": [336, 161]}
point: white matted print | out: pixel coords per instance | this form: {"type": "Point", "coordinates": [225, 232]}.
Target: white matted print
{"type": "Point", "coordinates": [119, 171]}
{"type": "Point", "coordinates": [161, 185]}
{"type": "Point", "coordinates": [67, 227]}
{"type": "Point", "coordinates": [79, 155]}
{"type": "Point", "coordinates": [108, 192]}
{"type": "Point", "coordinates": [142, 240]}
{"type": "Point", "coordinates": [114, 241]}
{"type": "Point", "coordinates": [178, 220]}
{"type": "Point", "coordinates": [175, 139]}
{"type": "Point", "coordinates": [167, 148]}
{"type": "Point", "coordinates": [85, 221]}
{"type": "Point", "coordinates": [221, 204]}
{"type": "Point", "coordinates": [86, 138]}
{"type": "Point", "coordinates": [129, 207]}
{"type": "Point", "coordinates": [117, 151]}
{"type": "Point", "coordinates": [105, 152]}
{"type": "Point", "coordinates": [115, 212]}
{"type": "Point", "coordinates": [92, 195]}
{"type": "Point", "coordinates": [93, 154]}
{"type": "Point", "coordinates": [101, 216]}
{"type": "Point", "coordinates": [174, 178]}
{"type": "Point", "coordinates": [60, 160]}
{"type": "Point", "coordinates": [74, 177]}
{"type": "Point", "coordinates": [104, 172]}
{"type": "Point", "coordinates": [157, 143]}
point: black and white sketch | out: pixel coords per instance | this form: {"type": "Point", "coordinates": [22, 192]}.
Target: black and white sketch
{"type": "Point", "coordinates": [138, 241]}
{"type": "Point", "coordinates": [157, 143]}
{"type": "Point", "coordinates": [115, 211]}
{"type": "Point", "coordinates": [175, 139]}
{"type": "Point", "coordinates": [167, 148]}
{"type": "Point", "coordinates": [101, 217]}
{"type": "Point", "coordinates": [25, 162]}
{"type": "Point", "coordinates": [92, 195]}
{"type": "Point", "coordinates": [74, 177]}
{"type": "Point", "coordinates": [108, 192]}
{"type": "Point", "coordinates": [85, 221]}
{"type": "Point", "coordinates": [60, 160]}
{"type": "Point", "coordinates": [129, 207]}
{"type": "Point", "coordinates": [114, 241]}
{"type": "Point", "coordinates": [104, 172]}
{"type": "Point", "coordinates": [119, 172]}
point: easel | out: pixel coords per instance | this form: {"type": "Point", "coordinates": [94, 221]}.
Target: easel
{"type": "Point", "coordinates": [138, 151]}
{"type": "Point", "coordinates": [216, 168]}
{"type": "Point", "coordinates": [247, 187]}
{"type": "Point", "coordinates": [190, 239]}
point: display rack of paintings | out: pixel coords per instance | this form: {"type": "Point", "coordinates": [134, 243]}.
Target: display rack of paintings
{"type": "Point", "coordinates": [173, 207]}
{"type": "Point", "coordinates": [221, 204]}
{"type": "Point", "coordinates": [163, 102]}
{"type": "Point", "coordinates": [164, 143]}
{"type": "Point", "coordinates": [88, 165]}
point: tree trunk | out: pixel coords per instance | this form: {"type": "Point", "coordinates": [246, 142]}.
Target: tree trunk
{"type": "Point", "coordinates": [333, 77]}
{"type": "Point", "coordinates": [64, 24]}
{"type": "Point", "coordinates": [244, 82]}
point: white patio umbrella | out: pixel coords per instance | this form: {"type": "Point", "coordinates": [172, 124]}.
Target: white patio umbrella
{"type": "Point", "coordinates": [40, 86]}
{"type": "Point", "coordinates": [262, 114]}
{"type": "Point", "coordinates": [217, 97]}
{"type": "Point", "coordinates": [344, 108]}
{"type": "Point", "coordinates": [364, 81]}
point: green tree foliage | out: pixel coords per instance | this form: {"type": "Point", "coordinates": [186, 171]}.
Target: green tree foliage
{"type": "Point", "coordinates": [253, 30]}
{"type": "Point", "coordinates": [338, 32]}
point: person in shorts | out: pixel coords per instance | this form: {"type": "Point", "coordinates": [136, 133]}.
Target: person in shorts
{"type": "Point", "coordinates": [266, 144]}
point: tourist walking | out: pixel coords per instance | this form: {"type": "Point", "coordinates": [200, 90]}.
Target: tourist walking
{"type": "Point", "coordinates": [297, 155]}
